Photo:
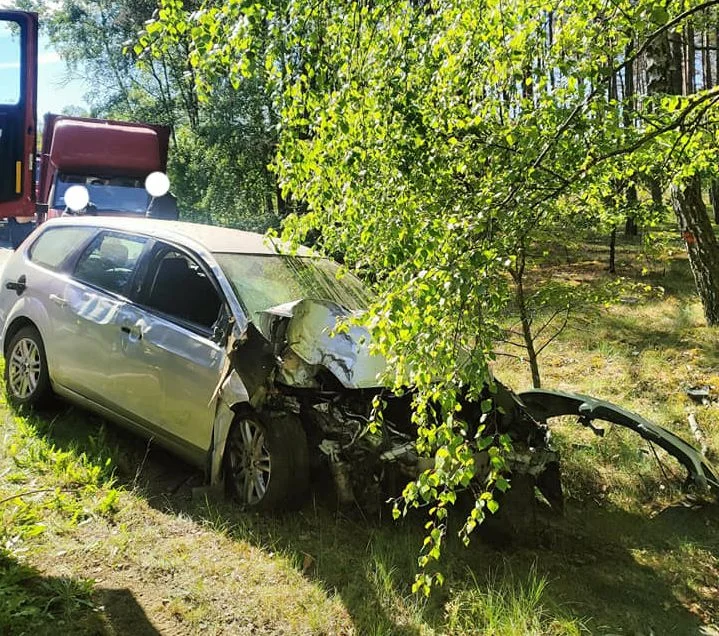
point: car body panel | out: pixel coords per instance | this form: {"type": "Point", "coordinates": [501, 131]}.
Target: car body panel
{"type": "Point", "coordinates": [232, 394]}
{"type": "Point", "coordinates": [310, 333]}
{"type": "Point", "coordinates": [28, 305]}
{"type": "Point", "coordinates": [192, 454]}
{"type": "Point", "coordinates": [170, 375]}
{"type": "Point", "coordinates": [86, 327]}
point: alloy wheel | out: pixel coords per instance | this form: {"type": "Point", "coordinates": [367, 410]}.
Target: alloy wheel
{"type": "Point", "coordinates": [250, 461]}
{"type": "Point", "coordinates": [25, 367]}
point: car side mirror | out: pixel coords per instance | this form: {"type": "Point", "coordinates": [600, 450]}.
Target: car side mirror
{"type": "Point", "coordinates": [221, 328]}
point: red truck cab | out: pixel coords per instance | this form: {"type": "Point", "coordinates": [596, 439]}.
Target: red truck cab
{"type": "Point", "coordinates": [110, 158]}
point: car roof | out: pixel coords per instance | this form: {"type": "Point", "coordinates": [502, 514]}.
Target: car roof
{"type": "Point", "coordinates": [212, 237]}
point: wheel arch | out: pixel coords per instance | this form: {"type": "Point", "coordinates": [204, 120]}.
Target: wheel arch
{"type": "Point", "coordinates": [35, 386]}
{"type": "Point", "coordinates": [286, 476]}
{"type": "Point", "coordinates": [25, 311]}
{"type": "Point", "coordinates": [233, 400]}
{"type": "Point", "coordinates": [18, 323]}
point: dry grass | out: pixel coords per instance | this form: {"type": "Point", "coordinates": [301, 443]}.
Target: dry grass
{"type": "Point", "coordinates": [643, 353]}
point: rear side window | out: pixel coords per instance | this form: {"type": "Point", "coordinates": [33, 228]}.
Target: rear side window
{"type": "Point", "coordinates": [109, 261]}
{"type": "Point", "coordinates": [53, 246]}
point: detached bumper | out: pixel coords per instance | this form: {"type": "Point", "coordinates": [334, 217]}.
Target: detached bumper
{"type": "Point", "coordinates": [543, 405]}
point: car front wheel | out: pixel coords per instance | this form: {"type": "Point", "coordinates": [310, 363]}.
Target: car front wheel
{"type": "Point", "coordinates": [267, 461]}
{"type": "Point", "coordinates": [26, 376]}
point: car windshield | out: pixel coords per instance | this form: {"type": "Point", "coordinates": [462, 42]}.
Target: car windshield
{"type": "Point", "coordinates": [264, 281]}
{"type": "Point", "coordinates": [113, 194]}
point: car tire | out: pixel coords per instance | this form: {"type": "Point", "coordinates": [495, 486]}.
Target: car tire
{"type": "Point", "coordinates": [26, 377]}
{"type": "Point", "coordinates": [267, 462]}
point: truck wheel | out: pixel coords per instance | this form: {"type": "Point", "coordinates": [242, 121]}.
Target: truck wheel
{"type": "Point", "coordinates": [267, 461]}
{"type": "Point", "coordinates": [26, 377]}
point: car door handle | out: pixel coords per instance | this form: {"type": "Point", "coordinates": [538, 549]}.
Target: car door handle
{"type": "Point", "coordinates": [132, 332]}
{"type": "Point", "coordinates": [18, 286]}
{"type": "Point", "coordinates": [58, 300]}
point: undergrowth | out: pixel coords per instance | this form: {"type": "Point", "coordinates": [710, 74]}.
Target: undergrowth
{"type": "Point", "coordinates": [504, 605]}
{"type": "Point", "coordinates": [45, 492]}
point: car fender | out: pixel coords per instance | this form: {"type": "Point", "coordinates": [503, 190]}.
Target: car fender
{"type": "Point", "coordinates": [231, 396]}
{"type": "Point", "coordinates": [30, 308]}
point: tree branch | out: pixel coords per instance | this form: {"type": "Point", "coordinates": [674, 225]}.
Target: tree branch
{"type": "Point", "coordinates": [556, 334]}
{"type": "Point", "coordinates": [36, 492]}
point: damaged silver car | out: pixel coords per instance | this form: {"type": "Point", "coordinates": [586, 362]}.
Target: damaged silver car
{"type": "Point", "coordinates": [219, 347]}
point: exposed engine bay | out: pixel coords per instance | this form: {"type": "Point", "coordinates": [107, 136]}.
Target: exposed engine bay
{"type": "Point", "coordinates": [292, 363]}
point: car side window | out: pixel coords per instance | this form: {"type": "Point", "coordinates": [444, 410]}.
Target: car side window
{"type": "Point", "coordinates": [180, 289]}
{"type": "Point", "coordinates": [109, 261]}
{"type": "Point", "coordinates": [54, 245]}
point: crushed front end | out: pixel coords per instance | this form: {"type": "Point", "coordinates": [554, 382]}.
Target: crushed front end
{"type": "Point", "coordinates": [294, 364]}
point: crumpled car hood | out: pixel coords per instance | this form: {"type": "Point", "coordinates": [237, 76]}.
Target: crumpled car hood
{"type": "Point", "coordinates": [308, 334]}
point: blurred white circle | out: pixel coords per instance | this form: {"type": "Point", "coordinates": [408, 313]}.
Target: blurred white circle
{"type": "Point", "coordinates": [157, 184]}
{"type": "Point", "coordinates": [77, 197]}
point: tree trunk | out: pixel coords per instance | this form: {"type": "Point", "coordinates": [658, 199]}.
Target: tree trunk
{"type": "Point", "coordinates": [673, 72]}
{"type": "Point", "coordinates": [550, 43]}
{"type": "Point", "coordinates": [527, 333]}
{"type": "Point", "coordinates": [701, 243]}
{"type": "Point", "coordinates": [714, 198]}
{"type": "Point", "coordinates": [613, 250]}
{"type": "Point", "coordinates": [686, 197]}
{"type": "Point", "coordinates": [706, 61]}
{"type": "Point", "coordinates": [524, 317]}
{"type": "Point", "coordinates": [689, 61]}
{"type": "Point", "coordinates": [630, 225]}
{"type": "Point", "coordinates": [655, 187]}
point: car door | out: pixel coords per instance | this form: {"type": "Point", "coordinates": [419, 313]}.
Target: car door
{"type": "Point", "coordinates": [18, 95]}
{"type": "Point", "coordinates": [89, 309]}
{"type": "Point", "coordinates": [173, 357]}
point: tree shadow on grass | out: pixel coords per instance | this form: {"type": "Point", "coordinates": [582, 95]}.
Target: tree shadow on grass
{"type": "Point", "coordinates": [610, 568]}
{"type": "Point", "coordinates": [627, 571]}
{"type": "Point", "coordinates": [31, 603]}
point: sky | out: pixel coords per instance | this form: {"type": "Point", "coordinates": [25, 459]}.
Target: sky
{"type": "Point", "coordinates": [57, 88]}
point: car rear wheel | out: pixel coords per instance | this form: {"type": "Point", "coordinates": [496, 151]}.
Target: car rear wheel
{"type": "Point", "coordinates": [26, 377]}
{"type": "Point", "coordinates": [267, 461]}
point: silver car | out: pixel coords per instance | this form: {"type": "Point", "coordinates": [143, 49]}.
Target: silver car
{"type": "Point", "coordinates": [169, 328]}
{"type": "Point", "coordinates": [221, 348]}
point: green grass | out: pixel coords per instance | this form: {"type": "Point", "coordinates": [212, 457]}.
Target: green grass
{"type": "Point", "coordinates": [116, 543]}
{"type": "Point", "coordinates": [45, 494]}
{"type": "Point", "coordinates": [503, 605]}
{"type": "Point", "coordinates": [103, 551]}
